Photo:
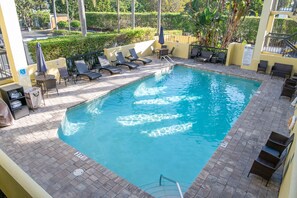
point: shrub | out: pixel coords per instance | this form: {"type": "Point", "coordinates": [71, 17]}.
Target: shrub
{"type": "Point", "coordinates": [67, 46]}
{"type": "Point", "coordinates": [62, 24]}
{"type": "Point", "coordinates": [75, 24]}
{"type": "Point", "coordinates": [65, 33]}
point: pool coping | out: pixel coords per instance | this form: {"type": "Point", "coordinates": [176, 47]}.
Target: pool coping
{"type": "Point", "coordinates": [91, 183]}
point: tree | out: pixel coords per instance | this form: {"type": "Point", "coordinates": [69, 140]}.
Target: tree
{"type": "Point", "coordinates": [256, 7]}
{"type": "Point", "coordinates": [25, 9]}
{"type": "Point", "coordinates": [235, 10]}
{"type": "Point", "coordinates": [55, 14]}
{"type": "Point", "coordinates": [82, 17]}
{"type": "Point", "coordinates": [118, 13]}
{"type": "Point", "coordinates": [100, 6]}
{"type": "Point", "coordinates": [159, 16]}
{"type": "Point", "coordinates": [174, 5]}
{"type": "Point", "coordinates": [207, 21]}
{"type": "Point", "coordinates": [62, 8]}
{"type": "Point", "coordinates": [133, 13]}
{"type": "Point", "coordinates": [209, 17]}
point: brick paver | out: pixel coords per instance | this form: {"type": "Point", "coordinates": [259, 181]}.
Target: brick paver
{"type": "Point", "coordinates": [32, 142]}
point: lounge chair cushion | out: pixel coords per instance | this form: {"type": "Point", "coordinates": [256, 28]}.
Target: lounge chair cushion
{"type": "Point", "coordinates": [92, 75]}
{"type": "Point", "coordinates": [105, 65]}
{"type": "Point", "coordinates": [135, 57]}
{"type": "Point", "coordinates": [205, 56]}
{"type": "Point", "coordinates": [84, 71]}
{"type": "Point", "coordinates": [121, 61]}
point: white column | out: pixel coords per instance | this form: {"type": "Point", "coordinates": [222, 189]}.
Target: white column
{"type": "Point", "coordinates": [13, 41]}
{"type": "Point", "coordinates": [267, 7]}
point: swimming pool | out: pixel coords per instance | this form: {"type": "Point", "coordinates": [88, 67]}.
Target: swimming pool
{"type": "Point", "coordinates": [170, 123]}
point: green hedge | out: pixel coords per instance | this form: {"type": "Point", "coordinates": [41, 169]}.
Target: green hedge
{"type": "Point", "coordinates": [107, 21]}
{"type": "Point", "coordinates": [175, 21]}
{"type": "Point", "coordinates": [285, 26]}
{"type": "Point", "coordinates": [67, 46]}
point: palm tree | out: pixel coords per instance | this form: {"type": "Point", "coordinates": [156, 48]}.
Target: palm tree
{"type": "Point", "coordinates": [82, 17]}
{"type": "Point", "coordinates": [159, 16]}
{"type": "Point", "coordinates": [67, 10]}
{"type": "Point", "coordinates": [118, 13]}
{"type": "Point", "coordinates": [133, 13]}
{"type": "Point", "coordinates": [55, 14]}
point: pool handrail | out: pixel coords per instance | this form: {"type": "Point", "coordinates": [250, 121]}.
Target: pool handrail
{"type": "Point", "coordinates": [171, 180]}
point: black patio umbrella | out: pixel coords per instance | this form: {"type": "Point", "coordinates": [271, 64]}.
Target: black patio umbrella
{"type": "Point", "coordinates": [161, 36]}
{"type": "Point", "coordinates": [41, 65]}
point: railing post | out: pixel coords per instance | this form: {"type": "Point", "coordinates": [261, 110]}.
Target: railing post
{"type": "Point", "coordinates": [160, 180]}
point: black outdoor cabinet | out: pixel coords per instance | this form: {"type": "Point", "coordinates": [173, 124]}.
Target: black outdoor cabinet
{"type": "Point", "coordinates": [14, 97]}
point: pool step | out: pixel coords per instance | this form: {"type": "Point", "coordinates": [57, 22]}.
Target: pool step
{"type": "Point", "coordinates": [164, 188]}
{"type": "Point", "coordinates": [168, 190]}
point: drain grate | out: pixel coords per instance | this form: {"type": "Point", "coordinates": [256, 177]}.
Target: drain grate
{"type": "Point", "coordinates": [80, 156]}
{"type": "Point", "coordinates": [78, 172]}
{"type": "Point", "coordinates": [224, 144]}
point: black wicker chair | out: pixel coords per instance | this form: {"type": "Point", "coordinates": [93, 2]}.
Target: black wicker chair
{"type": "Point", "coordinates": [265, 165]}
{"type": "Point", "coordinates": [277, 143]}
{"type": "Point", "coordinates": [262, 66]}
{"type": "Point", "coordinates": [288, 89]}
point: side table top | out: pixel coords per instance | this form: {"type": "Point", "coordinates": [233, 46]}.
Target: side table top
{"type": "Point", "coordinates": [11, 87]}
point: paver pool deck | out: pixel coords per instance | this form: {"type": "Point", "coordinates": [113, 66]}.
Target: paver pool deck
{"type": "Point", "coordinates": [33, 144]}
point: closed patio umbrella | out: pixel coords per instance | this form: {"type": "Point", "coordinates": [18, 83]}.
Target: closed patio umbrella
{"type": "Point", "coordinates": [161, 36]}
{"type": "Point", "coordinates": [41, 65]}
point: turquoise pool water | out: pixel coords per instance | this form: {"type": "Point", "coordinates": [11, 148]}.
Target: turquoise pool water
{"type": "Point", "coordinates": [170, 124]}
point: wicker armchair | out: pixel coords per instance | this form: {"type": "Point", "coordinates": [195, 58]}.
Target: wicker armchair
{"type": "Point", "coordinates": [265, 165]}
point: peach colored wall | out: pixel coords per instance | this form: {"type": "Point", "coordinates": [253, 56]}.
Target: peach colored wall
{"type": "Point", "coordinates": [60, 17]}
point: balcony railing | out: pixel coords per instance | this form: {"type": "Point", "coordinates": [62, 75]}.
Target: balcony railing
{"type": "Point", "coordinates": [5, 72]}
{"type": "Point", "coordinates": [281, 44]}
{"type": "Point", "coordinates": [285, 5]}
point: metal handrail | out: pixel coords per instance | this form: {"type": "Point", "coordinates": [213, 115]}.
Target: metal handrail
{"type": "Point", "coordinates": [284, 44]}
{"type": "Point", "coordinates": [167, 59]}
{"type": "Point", "coordinates": [171, 180]}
